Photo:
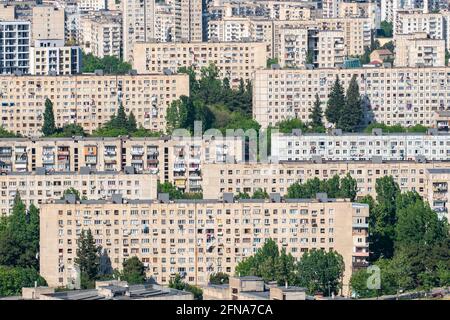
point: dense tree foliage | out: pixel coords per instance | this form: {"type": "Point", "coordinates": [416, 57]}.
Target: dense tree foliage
{"type": "Point", "coordinates": [352, 113]}
{"type": "Point", "coordinates": [19, 236]}
{"type": "Point", "coordinates": [316, 123]}
{"type": "Point", "coordinates": [408, 242]}
{"type": "Point", "coordinates": [178, 283]}
{"type": "Point", "coordinates": [8, 134]}
{"type": "Point", "coordinates": [335, 103]}
{"type": "Point", "coordinates": [175, 193]}
{"type": "Point", "coordinates": [88, 259]}
{"type": "Point", "coordinates": [317, 270]}
{"type": "Point", "coordinates": [219, 278]}
{"type": "Point", "coordinates": [345, 112]}
{"type": "Point", "coordinates": [49, 127]}
{"type": "Point", "coordinates": [68, 131]}
{"type": "Point", "coordinates": [13, 279]}
{"type": "Point", "coordinates": [386, 29]}
{"type": "Point", "coordinates": [335, 187]}
{"type": "Point", "coordinates": [123, 125]}
{"type": "Point", "coordinates": [321, 271]}
{"type": "Point", "coordinates": [395, 128]}
{"type": "Point", "coordinates": [133, 271]}
{"type": "Point", "coordinates": [109, 64]}
{"type": "Point", "coordinates": [217, 103]}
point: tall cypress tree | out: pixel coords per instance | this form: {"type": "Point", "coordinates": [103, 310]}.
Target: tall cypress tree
{"type": "Point", "coordinates": [352, 112]}
{"type": "Point", "coordinates": [131, 124]}
{"type": "Point", "coordinates": [316, 115]}
{"type": "Point", "coordinates": [121, 121]}
{"type": "Point", "coordinates": [335, 103]}
{"type": "Point", "coordinates": [48, 127]}
{"type": "Point", "coordinates": [88, 259]}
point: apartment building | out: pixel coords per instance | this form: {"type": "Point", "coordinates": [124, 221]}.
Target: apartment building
{"type": "Point", "coordinates": [357, 32]}
{"type": "Point", "coordinates": [330, 8]}
{"type": "Point", "coordinates": [191, 19]}
{"type": "Point", "coordinates": [360, 10]}
{"type": "Point", "coordinates": [199, 237]}
{"type": "Point", "coordinates": [235, 60]}
{"type": "Point", "coordinates": [48, 23]}
{"type": "Point", "coordinates": [438, 197]}
{"type": "Point", "coordinates": [14, 47]}
{"type": "Point", "coordinates": [252, 288]}
{"type": "Point", "coordinates": [404, 96]}
{"type": "Point", "coordinates": [41, 186]}
{"type": "Point", "coordinates": [148, 21]}
{"type": "Point", "coordinates": [276, 10]}
{"type": "Point", "coordinates": [411, 22]}
{"type": "Point", "coordinates": [328, 48]}
{"type": "Point", "coordinates": [278, 177]}
{"type": "Point", "coordinates": [92, 5]}
{"type": "Point", "coordinates": [417, 50]}
{"type": "Point", "coordinates": [88, 99]}
{"type": "Point", "coordinates": [171, 159]}
{"type": "Point", "coordinates": [101, 34]}
{"type": "Point", "coordinates": [138, 24]}
{"type": "Point", "coordinates": [432, 146]}
{"type": "Point", "coordinates": [293, 51]}
{"type": "Point", "coordinates": [52, 57]}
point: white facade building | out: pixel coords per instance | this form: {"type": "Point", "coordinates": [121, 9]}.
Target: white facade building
{"type": "Point", "coordinates": [432, 146]}
{"type": "Point", "coordinates": [14, 47]}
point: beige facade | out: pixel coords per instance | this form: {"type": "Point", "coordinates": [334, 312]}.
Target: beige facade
{"type": "Point", "coordinates": [293, 49]}
{"type": "Point", "coordinates": [438, 196]}
{"type": "Point", "coordinates": [40, 186]}
{"type": "Point", "coordinates": [48, 22]}
{"type": "Point", "coordinates": [235, 60]}
{"type": "Point", "coordinates": [411, 22]}
{"type": "Point", "coordinates": [197, 238]}
{"type": "Point", "coordinates": [417, 50]}
{"type": "Point", "coordinates": [138, 24]}
{"type": "Point", "coordinates": [88, 100]}
{"type": "Point", "coordinates": [404, 96]}
{"type": "Point", "coordinates": [101, 34]}
{"type": "Point", "coordinates": [52, 57]}
{"type": "Point", "coordinates": [278, 177]}
{"type": "Point", "coordinates": [357, 32]}
{"type": "Point", "coordinates": [7, 12]}
{"type": "Point", "coordinates": [169, 159]}
{"type": "Point", "coordinates": [329, 49]}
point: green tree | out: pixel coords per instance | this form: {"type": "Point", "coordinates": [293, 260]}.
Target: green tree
{"type": "Point", "coordinates": [70, 130]}
{"type": "Point", "coordinates": [179, 284]}
{"type": "Point", "coordinates": [271, 61]}
{"type": "Point", "coordinates": [120, 120]}
{"type": "Point", "coordinates": [285, 269]}
{"type": "Point", "coordinates": [13, 279]}
{"type": "Point", "coordinates": [242, 195]}
{"type": "Point", "coordinates": [167, 187]}
{"type": "Point", "coordinates": [386, 29]}
{"type": "Point", "coordinates": [219, 278]}
{"type": "Point", "coordinates": [260, 194]}
{"type": "Point", "coordinates": [133, 271]}
{"type": "Point", "coordinates": [348, 187]}
{"type": "Point", "coordinates": [321, 271]}
{"type": "Point", "coordinates": [88, 259]}
{"type": "Point", "coordinates": [7, 134]}
{"type": "Point", "coordinates": [109, 64]}
{"type": "Point", "coordinates": [73, 191]}
{"type": "Point", "coordinates": [383, 218]}
{"type": "Point", "coordinates": [351, 113]}
{"type": "Point", "coordinates": [131, 123]}
{"type": "Point", "coordinates": [286, 126]}
{"type": "Point", "coordinates": [48, 128]}
{"type": "Point", "coordinates": [19, 236]}
{"type": "Point", "coordinates": [335, 103]}
{"type": "Point", "coordinates": [316, 116]}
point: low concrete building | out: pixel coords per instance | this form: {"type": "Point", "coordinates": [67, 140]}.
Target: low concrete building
{"type": "Point", "coordinates": [252, 288]}
{"type": "Point", "coordinates": [109, 290]}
